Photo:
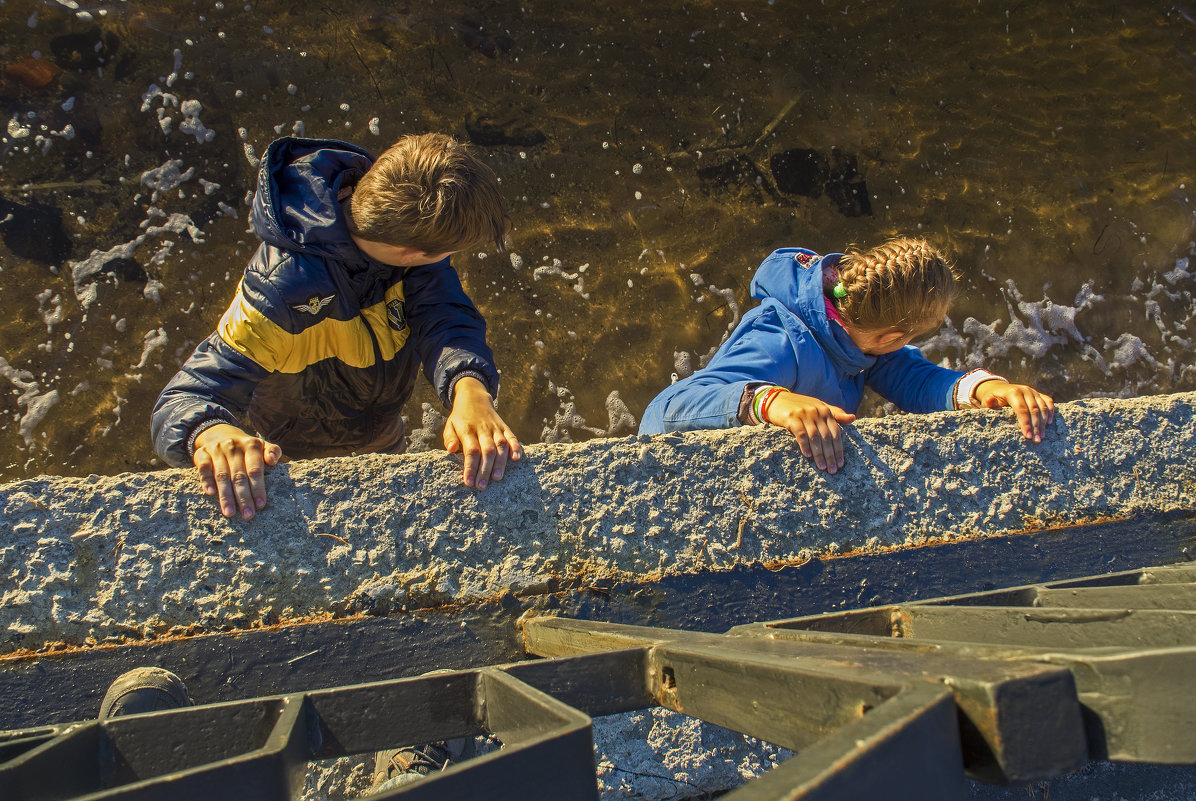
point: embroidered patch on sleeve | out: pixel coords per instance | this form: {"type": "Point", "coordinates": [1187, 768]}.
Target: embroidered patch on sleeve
{"type": "Point", "coordinates": [315, 304]}
{"type": "Point", "coordinates": [396, 314]}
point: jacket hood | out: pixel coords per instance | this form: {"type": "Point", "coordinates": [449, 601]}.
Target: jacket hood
{"type": "Point", "coordinates": [793, 278]}
{"type": "Point", "coordinates": [295, 206]}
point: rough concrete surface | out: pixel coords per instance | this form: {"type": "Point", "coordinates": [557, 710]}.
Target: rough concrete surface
{"type": "Point", "coordinates": [106, 556]}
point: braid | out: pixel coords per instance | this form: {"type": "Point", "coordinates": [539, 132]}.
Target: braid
{"type": "Point", "coordinates": [904, 283]}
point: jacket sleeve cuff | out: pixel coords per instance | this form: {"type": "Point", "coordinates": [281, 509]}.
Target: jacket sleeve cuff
{"type": "Point", "coordinates": [199, 429]}
{"type": "Point", "coordinates": [452, 387]}
{"type": "Point", "coordinates": [964, 391]}
{"type": "Point", "coordinates": [745, 413]}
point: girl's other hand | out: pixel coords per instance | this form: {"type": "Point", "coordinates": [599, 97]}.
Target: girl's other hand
{"type": "Point", "coordinates": [816, 425]}
{"type": "Point", "coordinates": [1034, 410]}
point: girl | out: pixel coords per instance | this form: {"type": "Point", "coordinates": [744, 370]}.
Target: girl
{"type": "Point", "coordinates": [828, 326]}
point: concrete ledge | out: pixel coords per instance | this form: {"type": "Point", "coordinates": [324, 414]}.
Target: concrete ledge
{"type": "Point", "coordinates": [87, 559]}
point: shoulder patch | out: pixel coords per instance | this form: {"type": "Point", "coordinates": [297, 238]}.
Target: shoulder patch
{"type": "Point", "coordinates": [396, 314]}
{"type": "Point", "coordinates": [315, 304]}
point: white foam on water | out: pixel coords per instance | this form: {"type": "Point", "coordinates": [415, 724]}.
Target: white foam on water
{"type": "Point", "coordinates": [116, 410]}
{"type": "Point", "coordinates": [192, 124]}
{"type": "Point", "coordinates": [1129, 349]}
{"type": "Point", "coordinates": [1040, 328]}
{"type": "Point", "coordinates": [153, 340]}
{"type": "Point", "coordinates": [53, 315]}
{"type": "Point", "coordinates": [37, 404]}
{"type": "Point", "coordinates": [728, 296]}
{"type": "Point", "coordinates": [565, 418]}
{"type": "Point", "coordinates": [16, 130]}
{"type": "Point", "coordinates": [166, 177]}
{"type": "Point", "coordinates": [154, 92]}
{"type": "Point", "coordinates": [1179, 273]}
{"type": "Point", "coordinates": [683, 364]}
{"type": "Point", "coordinates": [85, 269]}
{"type": "Point", "coordinates": [178, 65]}
{"type": "Point", "coordinates": [622, 421]}
{"type": "Point", "coordinates": [557, 268]}
{"type": "Point", "coordinates": [153, 290]}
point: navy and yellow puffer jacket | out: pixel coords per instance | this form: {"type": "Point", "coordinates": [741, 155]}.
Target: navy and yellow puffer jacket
{"type": "Point", "coordinates": [321, 345]}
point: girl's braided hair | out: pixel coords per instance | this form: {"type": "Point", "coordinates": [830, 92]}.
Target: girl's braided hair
{"type": "Point", "coordinates": [905, 283]}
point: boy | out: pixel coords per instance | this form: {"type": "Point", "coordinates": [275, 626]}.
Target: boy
{"type": "Point", "coordinates": [349, 293]}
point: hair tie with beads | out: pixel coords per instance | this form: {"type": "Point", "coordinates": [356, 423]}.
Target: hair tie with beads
{"type": "Point", "coordinates": [839, 291]}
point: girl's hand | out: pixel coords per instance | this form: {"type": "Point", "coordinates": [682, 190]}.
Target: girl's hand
{"type": "Point", "coordinates": [1034, 410]}
{"type": "Point", "coordinates": [474, 428]}
{"type": "Point", "coordinates": [816, 425]}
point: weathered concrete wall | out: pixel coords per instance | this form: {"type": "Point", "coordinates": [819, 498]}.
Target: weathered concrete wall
{"type": "Point", "coordinates": [102, 556]}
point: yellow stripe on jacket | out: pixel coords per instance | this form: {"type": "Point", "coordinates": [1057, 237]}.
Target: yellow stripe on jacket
{"type": "Point", "coordinates": [259, 338]}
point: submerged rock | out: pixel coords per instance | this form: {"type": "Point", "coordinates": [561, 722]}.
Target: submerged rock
{"type": "Point", "coordinates": [86, 50]}
{"type": "Point", "coordinates": [34, 73]}
{"type": "Point", "coordinates": [34, 231]}
{"type": "Point", "coordinates": [478, 38]}
{"type": "Point", "coordinates": [510, 128]}
{"type": "Point", "coordinates": [809, 173]}
{"type": "Point", "coordinates": [800, 171]}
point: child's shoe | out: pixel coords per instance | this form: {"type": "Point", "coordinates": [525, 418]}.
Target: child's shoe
{"type": "Point", "coordinates": [402, 765]}
{"type": "Point", "coordinates": [144, 689]}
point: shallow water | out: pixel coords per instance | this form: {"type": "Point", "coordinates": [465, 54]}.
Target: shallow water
{"type": "Point", "coordinates": [1048, 146]}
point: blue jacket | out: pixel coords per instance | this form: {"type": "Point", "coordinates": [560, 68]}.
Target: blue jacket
{"type": "Point", "coordinates": [788, 340]}
{"type": "Point", "coordinates": [321, 345]}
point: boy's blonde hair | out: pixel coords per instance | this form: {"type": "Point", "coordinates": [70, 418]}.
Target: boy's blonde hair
{"type": "Point", "coordinates": [429, 192]}
{"type": "Point", "coordinates": [905, 283]}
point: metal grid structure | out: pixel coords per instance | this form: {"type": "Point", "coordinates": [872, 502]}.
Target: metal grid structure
{"type": "Point", "coordinates": [899, 702]}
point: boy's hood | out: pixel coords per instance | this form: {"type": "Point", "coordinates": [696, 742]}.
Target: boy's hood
{"type": "Point", "coordinates": [793, 278]}
{"type": "Point", "coordinates": [295, 206]}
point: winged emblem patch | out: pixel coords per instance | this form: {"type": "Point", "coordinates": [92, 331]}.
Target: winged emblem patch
{"type": "Point", "coordinates": [314, 305]}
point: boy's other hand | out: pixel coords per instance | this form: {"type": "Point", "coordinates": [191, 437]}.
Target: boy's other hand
{"type": "Point", "coordinates": [474, 428]}
{"type": "Point", "coordinates": [817, 426]}
{"type": "Point", "coordinates": [232, 466]}
{"type": "Point", "coordinates": [1034, 410]}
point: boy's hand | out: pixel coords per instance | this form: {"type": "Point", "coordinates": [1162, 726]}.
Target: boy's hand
{"type": "Point", "coordinates": [1034, 410]}
{"type": "Point", "coordinates": [232, 467]}
{"type": "Point", "coordinates": [817, 426]}
{"type": "Point", "coordinates": [475, 428]}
